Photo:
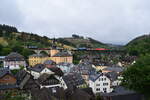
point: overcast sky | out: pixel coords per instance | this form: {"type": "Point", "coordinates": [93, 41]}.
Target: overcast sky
{"type": "Point", "coordinates": [109, 21]}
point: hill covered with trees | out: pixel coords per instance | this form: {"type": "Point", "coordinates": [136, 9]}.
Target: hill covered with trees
{"type": "Point", "coordinates": [11, 40]}
{"type": "Point", "coordinates": [139, 46]}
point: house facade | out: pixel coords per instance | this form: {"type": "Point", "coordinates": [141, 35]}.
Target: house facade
{"type": "Point", "coordinates": [6, 78]}
{"type": "Point", "coordinates": [56, 55]}
{"type": "Point", "coordinates": [14, 61]}
{"type": "Point", "coordinates": [100, 83]}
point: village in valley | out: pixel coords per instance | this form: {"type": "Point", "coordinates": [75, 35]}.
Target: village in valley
{"type": "Point", "coordinates": [50, 74]}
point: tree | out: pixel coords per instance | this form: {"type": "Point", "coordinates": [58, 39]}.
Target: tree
{"type": "Point", "coordinates": [137, 76]}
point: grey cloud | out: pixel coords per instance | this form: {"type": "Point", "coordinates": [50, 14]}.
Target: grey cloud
{"type": "Point", "coordinates": [113, 21]}
{"type": "Point", "coordinates": [9, 13]}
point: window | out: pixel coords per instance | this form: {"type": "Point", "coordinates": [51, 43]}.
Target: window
{"type": "Point", "coordinates": [105, 84]}
{"type": "Point", "coordinates": [98, 89]}
{"type": "Point", "coordinates": [97, 84]}
{"type": "Point", "coordinates": [105, 90]}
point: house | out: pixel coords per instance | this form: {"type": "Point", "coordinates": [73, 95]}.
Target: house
{"type": "Point", "coordinates": [115, 78]}
{"type": "Point", "coordinates": [85, 69]}
{"type": "Point", "coordinates": [48, 81]}
{"type": "Point", "coordinates": [55, 55]}
{"type": "Point", "coordinates": [14, 60]}
{"type": "Point", "coordinates": [7, 81]}
{"type": "Point", "coordinates": [72, 80]}
{"type": "Point", "coordinates": [65, 67]}
{"type": "Point", "coordinates": [100, 83]}
{"type": "Point", "coordinates": [6, 77]}
{"type": "Point", "coordinates": [120, 93]}
{"type": "Point", "coordinates": [37, 59]}
{"type": "Point", "coordinates": [49, 63]}
{"type": "Point", "coordinates": [26, 81]}
{"type": "Point", "coordinates": [63, 56]}
{"type": "Point", "coordinates": [38, 70]}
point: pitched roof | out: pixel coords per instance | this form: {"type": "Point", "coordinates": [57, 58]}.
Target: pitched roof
{"type": "Point", "coordinates": [47, 79]}
{"type": "Point", "coordinates": [63, 54]}
{"type": "Point", "coordinates": [4, 71]}
{"type": "Point", "coordinates": [119, 91]}
{"type": "Point", "coordinates": [84, 69]}
{"type": "Point", "coordinates": [10, 86]}
{"type": "Point", "coordinates": [56, 70]}
{"type": "Point", "coordinates": [14, 56]}
{"type": "Point", "coordinates": [49, 62]}
{"type": "Point", "coordinates": [73, 79]}
{"type": "Point", "coordinates": [112, 75]}
{"type": "Point", "coordinates": [114, 68]}
{"type": "Point", "coordinates": [37, 67]}
{"type": "Point", "coordinates": [95, 77]}
{"type": "Point", "coordinates": [65, 64]}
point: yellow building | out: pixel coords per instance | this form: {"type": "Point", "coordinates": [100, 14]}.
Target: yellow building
{"type": "Point", "coordinates": [55, 55]}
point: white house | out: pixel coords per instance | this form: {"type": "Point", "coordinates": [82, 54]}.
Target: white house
{"type": "Point", "coordinates": [100, 83]}
{"type": "Point", "coordinates": [38, 70]}
{"type": "Point", "coordinates": [14, 61]}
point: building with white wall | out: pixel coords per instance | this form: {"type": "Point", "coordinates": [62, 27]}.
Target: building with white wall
{"type": "Point", "coordinates": [100, 83]}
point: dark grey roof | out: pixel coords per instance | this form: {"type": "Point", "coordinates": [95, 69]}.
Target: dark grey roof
{"type": "Point", "coordinates": [38, 55]}
{"type": "Point", "coordinates": [84, 69]}
{"type": "Point", "coordinates": [47, 79]}
{"type": "Point", "coordinates": [114, 68]}
{"type": "Point", "coordinates": [63, 54]}
{"type": "Point", "coordinates": [119, 91]}
{"type": "Point", "coordinates": [112, 75]}
{"type": "Point", "coordinates": [10, 86]}
{"type": "Point", "coordinates": [95, 77]}
{"type": "Point", "coordinates": [64, 64]}
{"type": "Point", "coordinates": [4, 71]}
{"type": "Point", "coordinates": [56, 70]}
{"type": "Point", "coordinates": [49, 62]}
{"type": "Point", "coordinates": [20, 76]}
{"type": "Point", "coordinates": [73, 79]}
{"type": "Point", "coordinates": [37, 67]}
{"type": "Point", "coordinates": [14, 56]}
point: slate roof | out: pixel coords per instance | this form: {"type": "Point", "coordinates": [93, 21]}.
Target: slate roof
{"type": "Point", "coordinates": [84, 69]}
{"type": "Point", "coordinates": [14, 56]}
{"type": "Point", "coordinates": [73, 79]}
{"type": "Point", "coordinates": [38, 67]}
{"type": "Point", "coordinates": [64, 64]}
{"type": "Point", "coordinates": [47, 79]}
{"type": "Point", "coordinates": [112, 75]}
{"type": "Point", "coordinates": [114, 68]}
{"type": "Point", "coordinates": [38, 55]}
{"type": "Point", "coordinates": [20, 76]}
{"type": "Point", "coordinates": [6, 87]}
{"type": "Point", "coordinates": [49, 62]}
{"type": "Point", "coordinates": [77, 94]}
{"type": "Point", "coordinates": [95, 77]}
{"type": "Point", "coordinates": [4, 71]}
{"type": "Point", "coordinates": [119, 90]}
{"type": "Point", "coordinates": [57, 71]}
{"type": "Point", "coordinates": [63, 54]}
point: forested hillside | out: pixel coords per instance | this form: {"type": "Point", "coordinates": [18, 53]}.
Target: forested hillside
{"type": "Point", "coordinates": [11, 40]}
{"type": "Point", "coordinates": [139, 45]}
